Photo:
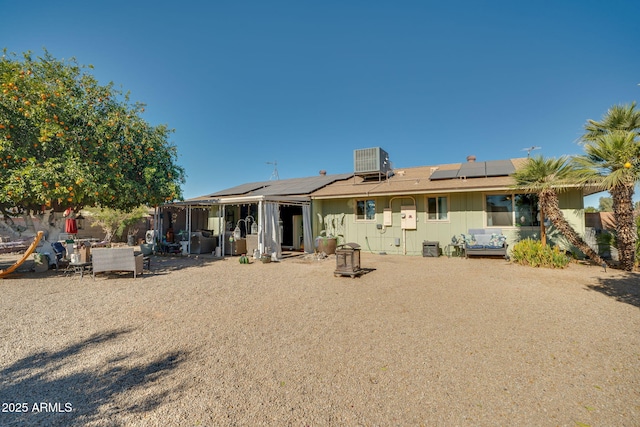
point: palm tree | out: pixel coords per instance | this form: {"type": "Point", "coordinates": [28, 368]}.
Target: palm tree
{"type": "Point", "coordinates": [612, 161]}
{"type": "Point", "coordinates": [619, 117]}
{"type": "Point", "coordinates": [547, 177]}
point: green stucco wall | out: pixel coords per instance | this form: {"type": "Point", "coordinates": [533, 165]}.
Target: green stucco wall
{"type": "Point", "coordinates": [466, 211]}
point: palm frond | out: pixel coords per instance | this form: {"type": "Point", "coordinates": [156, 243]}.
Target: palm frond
{"type": "Point", "coordinates": [609, 160]}
{"type": "Point", "coordinates": [541, 173]}
{"type": "Point", "coordinates": [617, 118]}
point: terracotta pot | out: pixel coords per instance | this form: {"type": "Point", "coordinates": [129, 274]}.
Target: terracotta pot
{"type": "Point", "coordinates": [327, 245]}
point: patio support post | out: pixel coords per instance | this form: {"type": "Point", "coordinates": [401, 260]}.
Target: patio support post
{"type": "Point", "coordinates": [261, 219]}
{"type": "Point", "coordinates": [188, 225]}
{"type": "Point", "coordinates": [223, 231]}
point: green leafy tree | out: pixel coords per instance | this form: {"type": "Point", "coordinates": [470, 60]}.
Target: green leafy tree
{"type": "Point", "coordinates": [612, 161]}
{"type": "Point", "coordinates": [67, 141]}
{"type": "Point", "coordinates": [605, 204]}
{"type": "Point", "coordinates": [547, 177]}
{"type": "Point", "coordinates": [115, 221]}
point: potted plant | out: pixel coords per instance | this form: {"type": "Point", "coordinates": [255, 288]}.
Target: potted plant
{"type": "Point", "coordinates": [327, 241]}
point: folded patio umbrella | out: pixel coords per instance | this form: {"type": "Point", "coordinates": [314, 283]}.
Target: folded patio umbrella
{"type": "Point", "coordinates": [70, 226]}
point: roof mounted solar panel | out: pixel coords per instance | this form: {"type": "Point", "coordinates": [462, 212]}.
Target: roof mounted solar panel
{"type": "Point", "coordinates": [444, 174]}
{"type": "Point", "coordinates": [500, 168]}
{"type": "Point", "coordinates": [242, 189]}
{"type": "Point", "coordinates": [472, 170]}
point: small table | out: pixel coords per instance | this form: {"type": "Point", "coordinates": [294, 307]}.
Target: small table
{"type": "Point", "coordinates": [455, 250]}
{"type": "Point", "coordinates": [79, 268]}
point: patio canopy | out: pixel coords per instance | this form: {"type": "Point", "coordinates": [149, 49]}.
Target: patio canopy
{"type": "Point", "coordinates": [269, 196]}
{"type": "Point", "coordinates": [268, 218]}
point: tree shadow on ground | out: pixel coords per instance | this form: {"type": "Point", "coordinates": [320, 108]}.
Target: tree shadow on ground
{"type": "Point", "coordinates": [624, 289]}
{"type": "Point", "coordinates": [49, 388]}
{"type": "Point", "coordinates": [166, 264]}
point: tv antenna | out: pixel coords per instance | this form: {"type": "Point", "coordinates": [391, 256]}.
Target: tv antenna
{"type": "Point", "coordinates": [530, 149]}
{"type": "Point", "coordinates": [274, 174]}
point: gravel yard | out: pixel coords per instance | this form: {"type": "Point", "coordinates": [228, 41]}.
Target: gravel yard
{"type": "Point", "coordinates": [414, 341]}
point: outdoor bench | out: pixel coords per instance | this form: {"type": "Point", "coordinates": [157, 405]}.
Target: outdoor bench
{"type": "Point", "coordinates": [485, 242]}
{"type": "Point", "coordinates": [116, 259]}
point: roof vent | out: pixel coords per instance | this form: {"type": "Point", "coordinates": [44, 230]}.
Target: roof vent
{"type": "Point", "coordinates": [323, 172]}
{"type": "Point", "coordinates": [371, 161]}
{"type": "Point", "coordinates": [471, 158]}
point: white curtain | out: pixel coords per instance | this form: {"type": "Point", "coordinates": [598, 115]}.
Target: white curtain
{"type": "Point", "coordinates": [272, 229]}
{"type": "Point", "coordinates": [306, 229]}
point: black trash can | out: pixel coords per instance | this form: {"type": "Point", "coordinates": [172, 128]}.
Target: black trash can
{"type": "Point", "coordinates": [430, 249]}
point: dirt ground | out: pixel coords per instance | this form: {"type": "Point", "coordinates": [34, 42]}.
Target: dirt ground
{"type": "Point", "coordinates": [412, 341]}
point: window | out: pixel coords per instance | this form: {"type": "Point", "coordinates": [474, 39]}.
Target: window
{"type": "Point", "coordinates": [365, 210]}
{"type": "Point", "coordinates": [507, 210]}
{"type": "Point", "coordinates": [437, 208]}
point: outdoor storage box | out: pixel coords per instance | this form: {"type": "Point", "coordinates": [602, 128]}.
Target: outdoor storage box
{"type": "Point", "coordinates": [430, 249]}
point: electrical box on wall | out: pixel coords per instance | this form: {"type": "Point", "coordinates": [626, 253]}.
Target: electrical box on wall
{"type": "Point", "coordinates": [387, 217]}
{"type": "Point", "coordinates": [408, 217]}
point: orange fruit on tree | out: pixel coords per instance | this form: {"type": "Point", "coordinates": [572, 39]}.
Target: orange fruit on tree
{"type": "Point", "coordinates": [627, 165]}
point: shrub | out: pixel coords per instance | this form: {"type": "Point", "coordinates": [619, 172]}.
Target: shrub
{"type": "Point", "coordinates": [531, 252]}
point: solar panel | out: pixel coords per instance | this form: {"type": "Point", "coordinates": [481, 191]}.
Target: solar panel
{"type": "Point", "coordinates": [500, 168]}
{"type": "Point", "coordinates": [444, 174]}
{"type": "Point", "coordinates": [241, 189]}
{"type": "Point", "coordinates": [282, 187]}
{"type": "Point", "coordinates": [472, 170]}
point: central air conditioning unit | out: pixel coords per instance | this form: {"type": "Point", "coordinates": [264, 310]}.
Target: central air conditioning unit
{"type": "Point", "coordinates": [371, 161]}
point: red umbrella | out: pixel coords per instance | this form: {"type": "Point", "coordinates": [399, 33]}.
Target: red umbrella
{"type": "Point", "coordinates": [70, 226]}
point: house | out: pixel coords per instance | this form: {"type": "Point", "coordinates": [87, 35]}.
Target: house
{"type": "Point", "coordinates": [383, 210]}
{"type": "Point", "coordinates": [397, 212]}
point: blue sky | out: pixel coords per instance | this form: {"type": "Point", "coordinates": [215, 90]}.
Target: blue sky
{"type": "Point", "coordinates": [301, 83]}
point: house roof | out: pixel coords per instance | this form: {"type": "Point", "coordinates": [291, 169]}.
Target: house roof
{"type": "Point", "coordinates": [454, 177]}
{"type": "Point", "coordinates": [470, 176]}
{"type": "Point", "coordinates": [294, 189]}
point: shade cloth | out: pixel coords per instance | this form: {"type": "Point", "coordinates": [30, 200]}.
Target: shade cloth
{"type": "Point", "coordinates": [306, 229]}
{"type": "Point", "coordinates": [272, 229]}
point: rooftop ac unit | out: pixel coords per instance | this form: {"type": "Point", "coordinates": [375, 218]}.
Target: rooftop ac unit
{"type": "Point", "coordinates": [371, 161]}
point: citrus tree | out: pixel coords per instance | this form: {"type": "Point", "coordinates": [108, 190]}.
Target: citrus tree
{"type": "Point", "coordinates": [68, 141]}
